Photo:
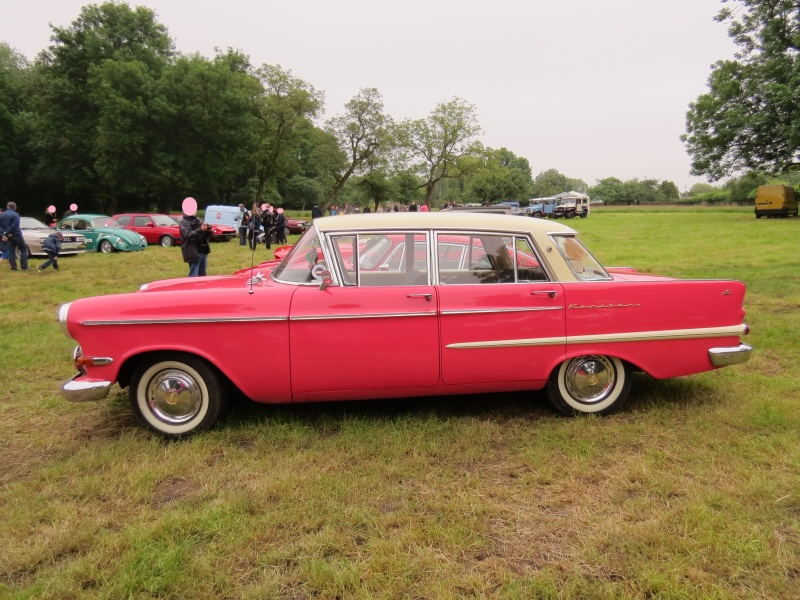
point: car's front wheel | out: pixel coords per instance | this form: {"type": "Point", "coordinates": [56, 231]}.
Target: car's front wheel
{"type": "Point", "coordinates": [177, 395]}
{"type": "Point", "coordinates": [166, 241]}
{"type": "Point", "coordinates": [589, 384]}
{"type": "Point", "coordinates": [105, 247]}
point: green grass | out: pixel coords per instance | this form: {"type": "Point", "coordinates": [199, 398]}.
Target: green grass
{"type": "Point", "coordinates": [693, 491]}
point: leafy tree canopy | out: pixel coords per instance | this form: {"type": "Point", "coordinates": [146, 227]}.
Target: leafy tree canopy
{"type": "Point", "coordinates": [749, 120]}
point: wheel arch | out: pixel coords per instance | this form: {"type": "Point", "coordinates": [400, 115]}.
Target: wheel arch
{"type": "Point", "coordinates": [130, 364]}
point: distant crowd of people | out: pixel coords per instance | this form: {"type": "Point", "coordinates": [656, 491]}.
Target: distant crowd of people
{"type": "Point", "coordinates": [263, 223]}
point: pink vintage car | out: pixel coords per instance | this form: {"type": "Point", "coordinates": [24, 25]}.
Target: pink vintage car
{"type": "Point", "coordinates": [484, 303]}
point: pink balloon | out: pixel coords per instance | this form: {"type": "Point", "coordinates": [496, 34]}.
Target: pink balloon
{"type": "Point", "coordinates": [73, 207]}
{"type": "Point", "coordinates": [189, 207]}
{"type": "Point", "coordinates": [51, 209]}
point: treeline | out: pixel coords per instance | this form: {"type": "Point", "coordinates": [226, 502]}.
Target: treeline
{"type": "Point", "coordinates": [740, 190]}
{"type": "Point", "coordinates": [112, 118]}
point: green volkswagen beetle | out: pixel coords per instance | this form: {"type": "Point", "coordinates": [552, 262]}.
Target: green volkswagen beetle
{"type": "Point", "coordinates": [102, 233]}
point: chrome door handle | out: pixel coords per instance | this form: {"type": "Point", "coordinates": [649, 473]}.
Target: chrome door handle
{"type": "Point", "coordinates": [550, 293]}
{"type": "Point", "coordinates": [427, 297]}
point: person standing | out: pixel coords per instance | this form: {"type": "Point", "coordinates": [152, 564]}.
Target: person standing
{"type": "Point", "coordinates": [316, 212]}
{"type": "Point", "coordinates": [267, 221]}
{"type": "Point", "coordinates": [11, 233]}
{"type": "Point", "coordinates": [50, 217]}
{"type": "Point", "coordinates": [254, 227]}
{"type": "Point", "coordinates": [239, 221]}
{"type": "Point", "coordinates": [51, 247]}
{"type": "Point", "coordinates": [195, 234]}
{"type": "Point", "coordinates": [280, 227]}
{"type": "Point", "coordinates": [73, 209]}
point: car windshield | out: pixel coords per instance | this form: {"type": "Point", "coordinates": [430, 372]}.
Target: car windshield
{"type": "Point", "coordinates": [164, 221]}
{"type": "Point", "coordinates": [581, 261]}
{"type": "Point", "coordinates": [31, 223]}
{"type": "Point", "coordinates": [298, 264]}
{"type": "Point", "coordinates": [107, 222]}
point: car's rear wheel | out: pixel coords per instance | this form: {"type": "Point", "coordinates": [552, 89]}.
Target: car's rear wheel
{"type": "Point", "coordinates": [105, 247]}
{"type": "Point", "coordinates": [177, 395]}
{"type": "Point", "coordinates": [589, 384]}
{"type": "Point", "coordinates": [166, 241]}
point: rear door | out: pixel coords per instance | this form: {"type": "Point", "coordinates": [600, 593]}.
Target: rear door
{"type": "Point", "coordinates": [502, 318]}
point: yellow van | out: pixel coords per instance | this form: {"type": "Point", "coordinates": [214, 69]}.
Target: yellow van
{"type": "Point", "coordinates": [775, 201]}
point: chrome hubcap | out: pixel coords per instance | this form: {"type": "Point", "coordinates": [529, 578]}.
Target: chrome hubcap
{"type": "Point", "coordinates": [590, 379]}
{"type": "Point", "coordinates": [174, 396]}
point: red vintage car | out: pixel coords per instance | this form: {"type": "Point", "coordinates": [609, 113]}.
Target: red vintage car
{"type": "Point", "coordinates": [155, 228]}
{"type": "Point", "coordinates": [485, 303]}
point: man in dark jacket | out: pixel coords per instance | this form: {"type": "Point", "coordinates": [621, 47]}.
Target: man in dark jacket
{"type": "Point", "coordinates": [12, 235]}
{"type": "Point", "coordinates": [51, 247]}
{"type": "Point", "coordinates": [195, 246]}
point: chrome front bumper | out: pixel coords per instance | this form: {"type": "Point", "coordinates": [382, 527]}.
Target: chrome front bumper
{"type": "Point", "coordinates": [724, 357]}
{"type": "Point", "coordinates": [85, 391]}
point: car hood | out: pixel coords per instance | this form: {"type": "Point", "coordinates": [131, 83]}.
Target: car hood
{"type": "Point", "coordinates": [217, 282]}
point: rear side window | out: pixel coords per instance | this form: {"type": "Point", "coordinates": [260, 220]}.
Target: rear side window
{"type": "Point", "coordinates": [486, 258]}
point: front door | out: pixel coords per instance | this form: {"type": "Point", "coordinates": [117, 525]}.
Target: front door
{"type": "Point", "coordinates": [376, 331]}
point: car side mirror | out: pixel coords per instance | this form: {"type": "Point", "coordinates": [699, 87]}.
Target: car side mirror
{"type": "Point", "coordinates": [325, 278]}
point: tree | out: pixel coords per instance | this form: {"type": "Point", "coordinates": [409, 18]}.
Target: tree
{"type": "Point", "coordinates": [14, 72]}
{"type": "Point", "coordinates": [749, 119]}
{"type": "Point", "coordinates": [284, 110]}
{"type": "Point", "coordinates": [503, 176]}
{"type": "Point", "coordinates": [363, 132]}
{"type": "Point", "coordinates": [436, 145]}
{"type": "Point", "coordinates": [80, 93]}
{"type": "Point", "coordinates": [206, 127]}
{"type": "Point", "coordinates": [701, 188]}
{"type": "Point", "coordinates": [549, 183]}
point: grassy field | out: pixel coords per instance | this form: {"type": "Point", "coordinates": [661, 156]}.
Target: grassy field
{"type": "Point", "coordinates": [692, 491]}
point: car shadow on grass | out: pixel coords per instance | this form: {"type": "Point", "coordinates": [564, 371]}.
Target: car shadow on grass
{"type": "Point", "coordinates": [646, 394]}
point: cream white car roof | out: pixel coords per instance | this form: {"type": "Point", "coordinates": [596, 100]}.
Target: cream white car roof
{"type": "Point", "coordinates": [461, 220]}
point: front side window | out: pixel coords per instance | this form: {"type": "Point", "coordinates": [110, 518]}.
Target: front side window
{"type": "Point", "coordinates": [583, 264]}
{"type": "Point", "coordinates": [137, 221]}
{"type": "Point", "coordinates": [380, 260]}
{"type": "Point", "coordinates": [304, 262]}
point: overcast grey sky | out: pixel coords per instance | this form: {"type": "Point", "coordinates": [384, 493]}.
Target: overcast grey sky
{"type": "Point", "coordinates": [593, 88]}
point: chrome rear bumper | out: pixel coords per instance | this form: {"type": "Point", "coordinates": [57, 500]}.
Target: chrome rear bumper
{"type": "Point", "coordinates": [724, 357]}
